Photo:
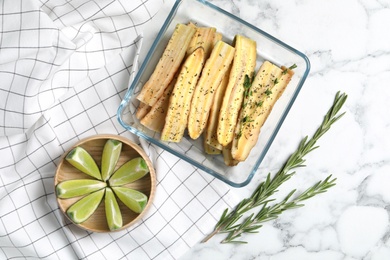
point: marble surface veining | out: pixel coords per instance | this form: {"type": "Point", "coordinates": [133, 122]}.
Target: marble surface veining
{"type": "Point", "coordinates": [348, 44]}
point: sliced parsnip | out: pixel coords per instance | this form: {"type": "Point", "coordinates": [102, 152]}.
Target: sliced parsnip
{"type": "Point", "coordinates": [217, 37]}
{"type": "Point", "coordinates": [243, 64]}
{"type": "Point", "coordinates": [180, 100]}
{"type": "Point", "coordinates": [212, 123]}
{"type": "Point", "coordinates": [155, 118]}
{"type": "Point", "coordinates": [210, 149]}
{"type": "Point", "coordinates": [204, 38]}
{"type": "Point", "coordinates": [142, 110]}
{"type": "Point", "coordinates": [267, 86]}
{"type": "Point", "coordinates": [213, 146]}
{"type": "Point", "coordinates": [168, 64]}
{"type": "Point", "coordinates": [212, 74]}
{"type": "Point", "coordinates": [192, 24]}
{"type": "Point", "coordinates": [227, 156]}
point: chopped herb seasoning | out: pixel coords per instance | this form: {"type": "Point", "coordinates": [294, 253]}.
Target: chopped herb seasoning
{"type": "Point", "coordinates": [289, 68]}
{"type": "Point", "coordinates": [247, 119]}
{"type": "Point", "coordinates": [268, 92]}
{"type": "Point", "coordinates": [247, 87]}
{"type": "Point", "coordinates": [259, 104]}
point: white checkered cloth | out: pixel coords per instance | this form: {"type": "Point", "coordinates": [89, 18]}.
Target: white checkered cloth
{"type": "Point", "coordinates": [64, 68]}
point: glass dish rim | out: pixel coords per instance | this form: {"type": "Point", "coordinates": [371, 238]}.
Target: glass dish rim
{"type": "Point", "coordinates": [194, 163]}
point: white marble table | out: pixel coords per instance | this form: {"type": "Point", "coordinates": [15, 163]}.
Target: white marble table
{"type": "Point", "coordinates": [348, 44]}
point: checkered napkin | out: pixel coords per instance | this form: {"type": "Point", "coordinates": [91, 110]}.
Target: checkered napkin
{"type": "Point", "coordinates": [64, 68]}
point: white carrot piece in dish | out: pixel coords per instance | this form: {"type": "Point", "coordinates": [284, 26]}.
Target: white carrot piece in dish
{"type": "Point", "coordinates": [243, 64]}
{"type": "Point", "coordinates": [204, 38]}
{"type": "Point", "coordinates": [212, 123]}
{"type": "Point", "coordinates": [180, 100]}
{"type": "Point", "coordinates": [155, 118]}
{"type": "Point", "coordinates": [142, 110]}
{"type": "Point", "coordinates": [168, 64]}
{"type": "Point", "coordinates": [212, 74]}
{"type": "Point", "coordinates": [260, 97]}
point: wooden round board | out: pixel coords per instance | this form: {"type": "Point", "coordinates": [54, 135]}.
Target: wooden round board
{"type": "Point", "coordinates": [94, 146]}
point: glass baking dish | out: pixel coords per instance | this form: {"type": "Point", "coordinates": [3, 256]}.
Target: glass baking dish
{"type": "Point", "coordinates": [269, 48]}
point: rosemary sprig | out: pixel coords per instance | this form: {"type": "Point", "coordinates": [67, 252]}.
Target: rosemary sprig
{"type": "Point", "coordinates": [261, 196]}
{"type": "Point", "coordinates": [267, 213]}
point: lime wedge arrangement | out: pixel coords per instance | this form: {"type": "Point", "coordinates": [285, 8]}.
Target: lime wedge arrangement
{"type": "Point", "coordinates": [111, 152]}
{"type": "Point", "coordinates": [82, 209]}
{"type": "Point", "coordinates": [131, 171]}
{"type": "Point", "coordinates": [133, 199]}
{"type": "Point", "coordinates": [108, 185]}
{"type": "Point", "coordinates": [79, 187]}
{"type": "Point", "coordinates": [83, 161]}
{"type": "Point", "coordinates": [113, 212]}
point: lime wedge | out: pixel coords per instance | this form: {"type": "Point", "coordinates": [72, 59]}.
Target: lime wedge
{"type": "Point", "coordinates": [113, 213]}
{"type": "Point", "coordinates": [82, 209]}
{"type": "Point", "coordinates": [134, 200]}
{"type": "Point", "coordinates": [83, 161]}
{"type": "Point", "coordinates": [111, 152]}
{"type": "Point", "coordinates": [74, 188]}
{"type": "Point", "coordinates": [129, 172]}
